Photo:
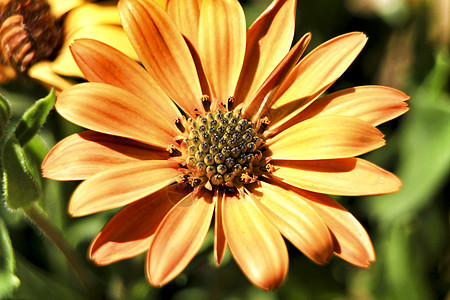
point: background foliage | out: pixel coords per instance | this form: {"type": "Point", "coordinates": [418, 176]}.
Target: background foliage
{"type": "Point", "coordinates": [408, 49]}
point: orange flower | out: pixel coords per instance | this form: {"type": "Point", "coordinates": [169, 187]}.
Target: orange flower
{"type": "Point", "coordinates": [258, 150]}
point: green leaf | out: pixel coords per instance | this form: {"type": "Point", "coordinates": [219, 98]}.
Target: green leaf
{"type": "Point", "coordinates": [21, 174]}
{"type": "Point", "coordinates": [20, 188]}
{"type": "Point", "coordinates": [8, 280]}
{"type": "Point", "coordinates": [5, 115]}
{"type": "Point", "coordinates": [34, 118]}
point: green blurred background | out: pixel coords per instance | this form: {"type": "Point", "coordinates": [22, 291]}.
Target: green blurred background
{"type": "Point", "coordinates": [408, 49]}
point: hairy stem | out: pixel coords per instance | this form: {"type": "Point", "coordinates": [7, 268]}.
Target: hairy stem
{"type": "Point", "coordinates": [36, 215]}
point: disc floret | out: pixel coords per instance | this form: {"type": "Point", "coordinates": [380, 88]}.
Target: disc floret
{"type": "Point", "coordinates": [223, 149]}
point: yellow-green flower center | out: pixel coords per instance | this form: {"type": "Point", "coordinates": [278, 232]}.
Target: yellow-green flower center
{"type": "Point", "coordinates": [223, 149]}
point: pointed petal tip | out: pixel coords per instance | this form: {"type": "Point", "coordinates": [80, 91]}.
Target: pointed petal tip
{"type": "Point", "coordinates": [45, 168]}
{"type": "Point", "coordinates": [362, 35]}
{"type": "Point", "coordinates": [156, 283]}
{"type": "Point", "coordinates": [361, 262]}
{"type": "Point", "coordinates": [393, 183]}
{"type": "Point", "coordinates": [307, 36]}
{"type": "Point", "coordinates": [271, 285]}
{"type": "Point", "coordinates": [77, 211]}
{"type": "Point", "coordinates": [75, 214]}
{"type": "Point", "coordinates": [99, 260]}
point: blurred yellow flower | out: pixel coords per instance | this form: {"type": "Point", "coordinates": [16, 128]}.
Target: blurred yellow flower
{"type": "Point", "coordinates": [35, 36]}
{"type": "Point", "coordinates": [259, 149]}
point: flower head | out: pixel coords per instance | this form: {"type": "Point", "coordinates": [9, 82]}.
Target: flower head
{"type": "Point", "coordinates": [35, 36]}
{"type": "Point", "coordinates": [226, 123]}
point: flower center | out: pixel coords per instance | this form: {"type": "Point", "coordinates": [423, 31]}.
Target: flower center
{"type": "Point", "coordinates": [223, 149]}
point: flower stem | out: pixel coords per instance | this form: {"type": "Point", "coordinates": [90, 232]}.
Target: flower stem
{"type": "Point", "coordinates": [36, 215]}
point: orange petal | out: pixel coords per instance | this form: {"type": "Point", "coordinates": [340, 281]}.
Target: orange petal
{"type": "Point", "coordinates": [98, 62]}
{"type": "Point", "coordinates": [256, 245]}
{"type": "Point", "coordinates": [111, 110]}
{"type": "Point", "coordinates": [162, 3]}
{"type": "Point", "coordinates": [325, 138]}
{"type": "Point", "coordinates": [163, 51]}
{"type": "Point", "coordinates": [204, 83]}
{"type": "Point", "coordinates": [314, 74]}
{"type": "Point", "coordinates": [222, 44]}
{"type": "Point", "coordinates": [257, 106]}
{"type": "Point", "coordinates": [81, 155]}
{"type": "Point", "coordinates": [348, 177]}
{"type": "Point", "coordinates": [132, 229]}
{"type": "Point", "coordinates": [186, 14]}
{"type": "Point", "coordinates": [179, 237]}
{"type": "Point", "coordinates": [373, 104]}
{"type": "Point", "coordinates": [120, 185]}
{"type": "Point", "coordinates": [220, 242]}
{"type": "Point", "coordinates": [296, 220]}
{"type": "Point", "coordinates": [268, 41]}
{"type": "Point", "coordinates": [352, 241]}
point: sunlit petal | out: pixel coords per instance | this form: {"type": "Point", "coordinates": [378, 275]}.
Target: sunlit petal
{"type": "Point", "coordinates": [111, 110]}
{"type": "Point", "coordinates": [132, 229]}
{"type": "Point", "coordinates": [81, 155]}
{"type": "Point", "coordinates": [186, 14]}
{"type": "Point", "coordinates": [222, 44]}
{"type": "Point", "coordinates": [220, 241]}
{"type": "Point", "coordinates": [114, 36]}
{"type": "Point", "coordinates": [162, 3]}
{"type": "Point", "coordinates": [268, 41]}
{"type": "Point", "coordinates": [314, 74]}
{"type": "Point", "coordinates": [325, 138]}
{"type": "Point", "coordinates": [256, 245]}
{"type": "Point", "coordinates": [350, 176]}
{"type": "Point", "coordinates": [204, 83]}
{"type": "Point", "coordinates": [352, 242]}
{"type": "Point", "coordinates": [373, 104]}
{"type": "Point", "coordinates": [98, 62]}
{"type": "Point", "coordinates": [258, 105]}
{"type": "Point", "coordinates": [163, 51]}
{"type": "Point", "coordinates": [296, 220]}
{"type": "Point", "coordinates": [120, 185]}
{"type": "Point", "coordinates": [179, 237]}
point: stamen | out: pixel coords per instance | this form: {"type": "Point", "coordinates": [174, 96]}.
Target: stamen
{"type": "Point", "coordinates": [173, 151]}
{"type": "Point", "coordinates": [264, 123]}
{"type": "Point", "coordinates": [206, 102]}
{"type": "Point", "coordinates": [181, 178]}
{"type": "Point", "coordinates": [193, 181]}
{"type": "Point", "coordinates": [268, 168]}
{"type": "Point", "coordinates": [230, 103]}
{"type": "Point", "coordinates": [180, 125]}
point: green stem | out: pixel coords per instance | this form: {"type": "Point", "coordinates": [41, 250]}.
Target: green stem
{"type": "Point", "coordinates": [53, 234]}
